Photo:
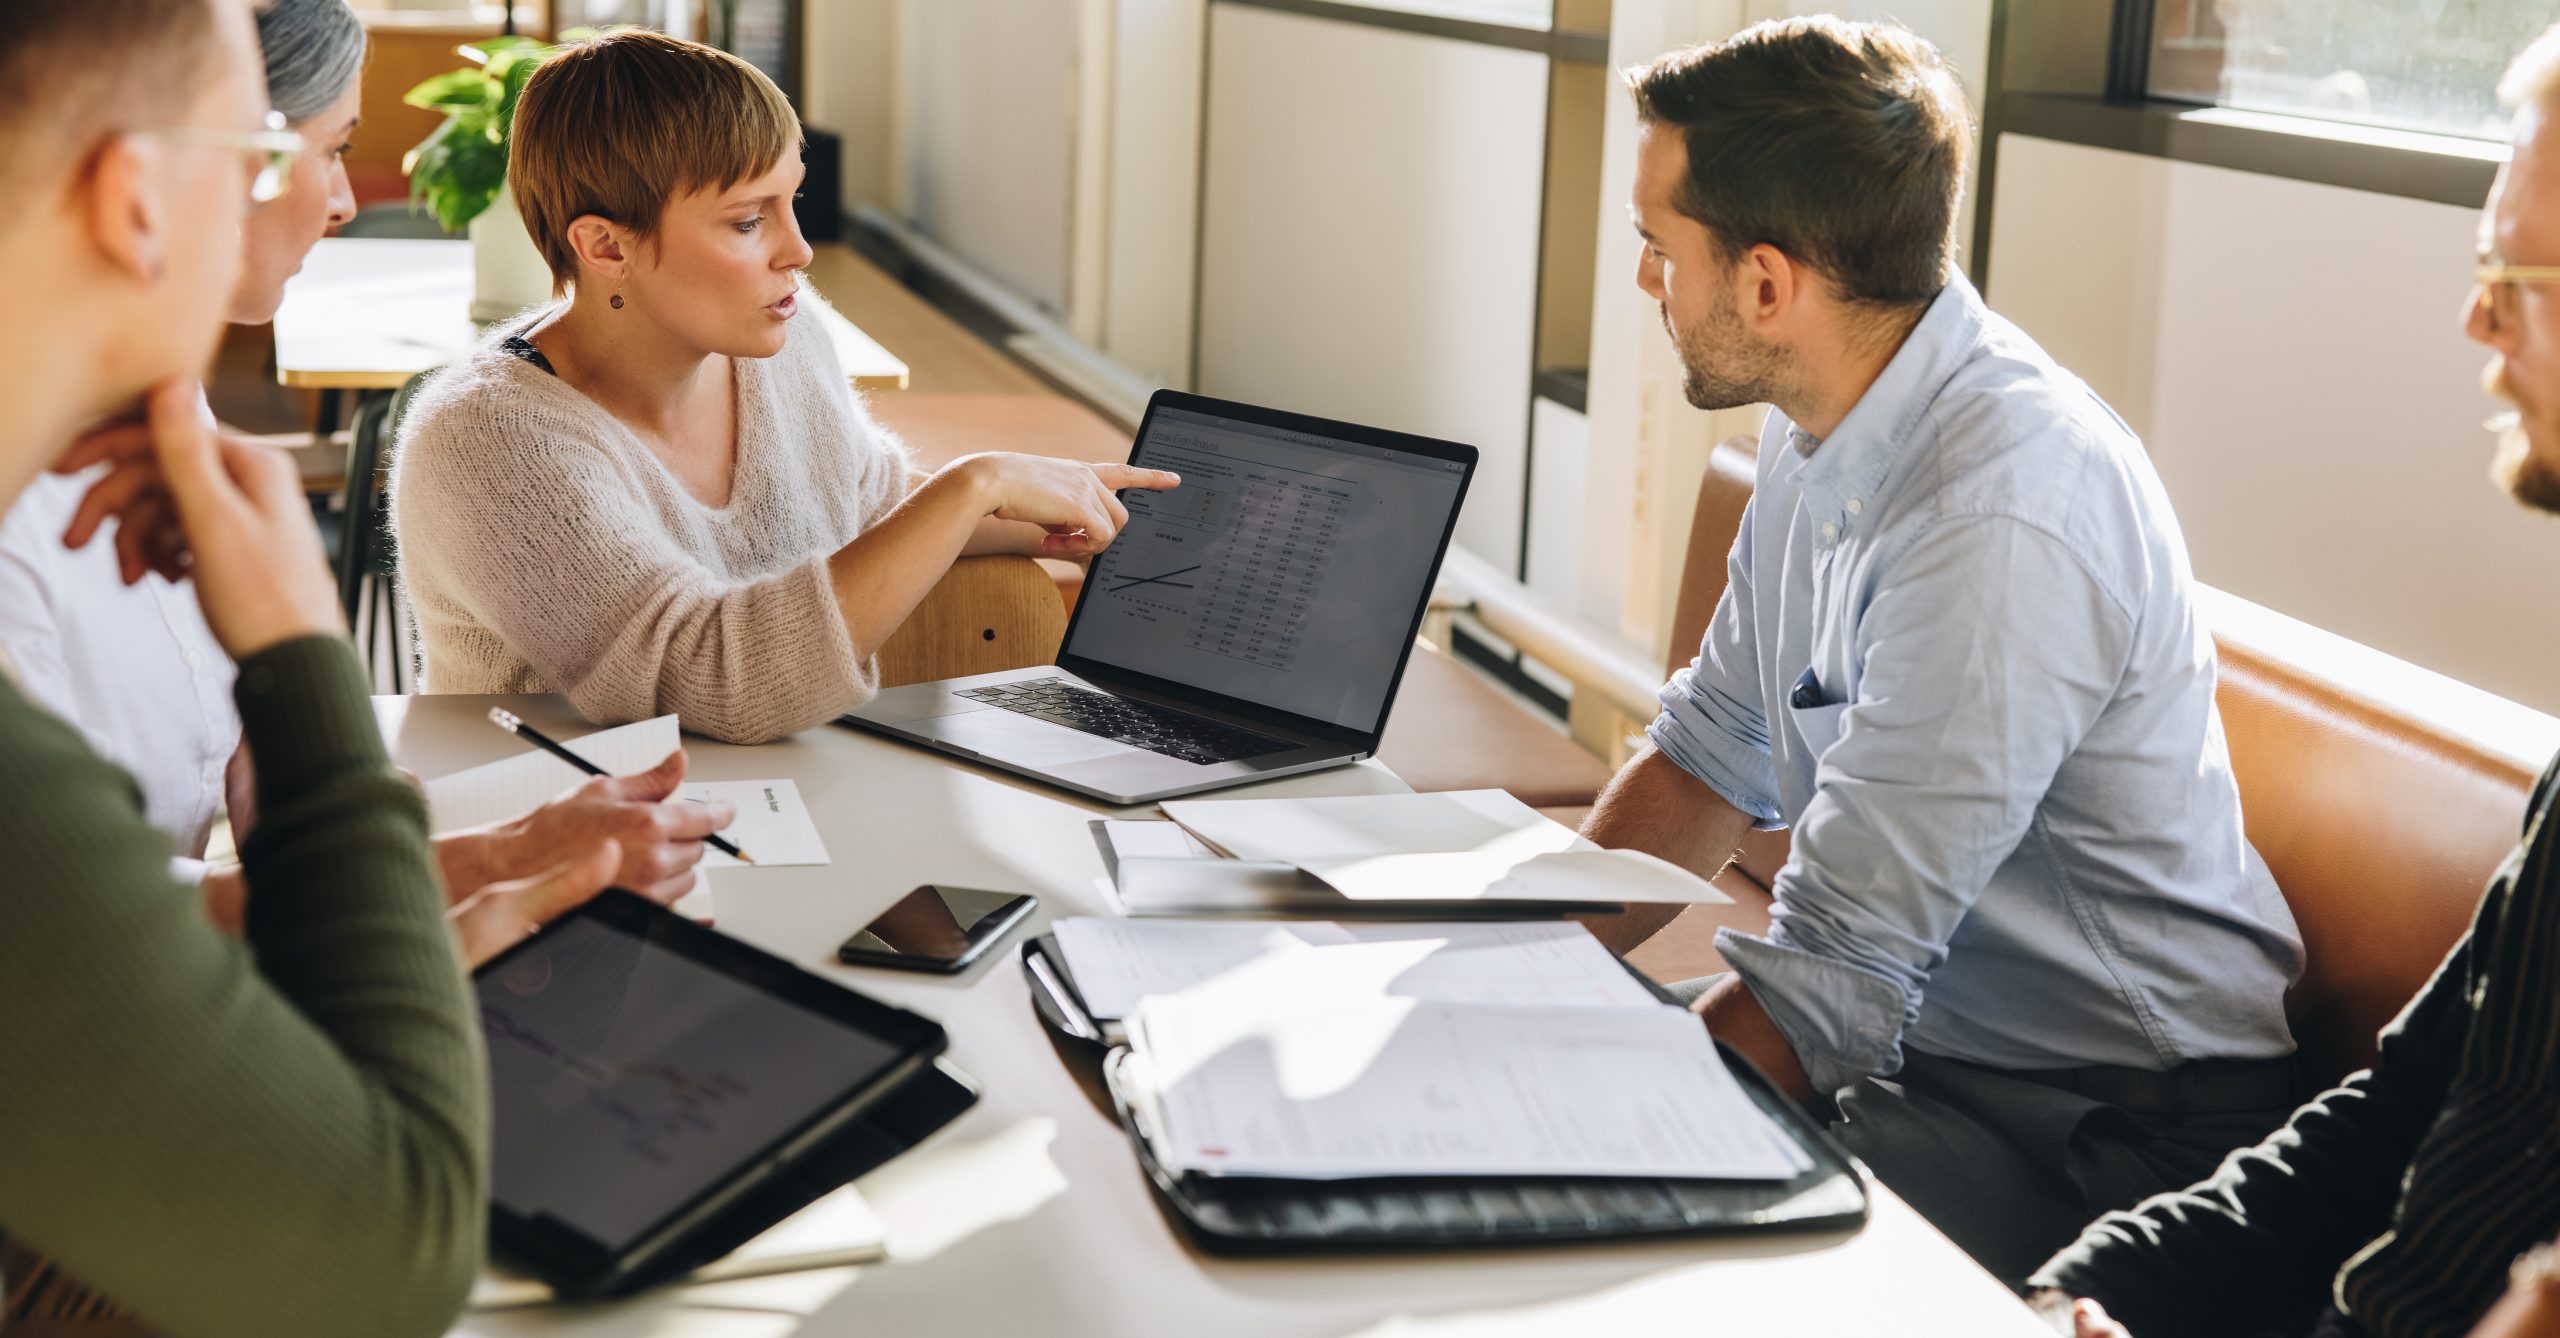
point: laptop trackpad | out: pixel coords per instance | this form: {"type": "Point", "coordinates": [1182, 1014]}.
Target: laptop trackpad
{"type": "Point", "coordinates": [1017, 739]}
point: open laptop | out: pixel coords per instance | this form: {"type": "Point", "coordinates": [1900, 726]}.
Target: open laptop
{"type": "Point", "coordinates": [1252, 623]}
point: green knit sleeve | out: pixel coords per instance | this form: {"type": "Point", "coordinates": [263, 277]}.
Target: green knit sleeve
{"type": "Point", "coordinates": [281, 1136]}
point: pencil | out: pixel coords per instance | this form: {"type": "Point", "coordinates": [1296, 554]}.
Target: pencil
{"type": "Point", "coordinates": [513, 724]}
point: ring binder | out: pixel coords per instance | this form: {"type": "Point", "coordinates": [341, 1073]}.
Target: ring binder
{"type": "Point", "coordinates": [1255, 1215]}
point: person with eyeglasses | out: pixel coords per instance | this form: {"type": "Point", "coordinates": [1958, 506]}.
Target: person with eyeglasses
{"type": "Point", "coordinates": [2419, 1196]}
{"type": "Point", "coordinates": [279, 1133]}
{"type": "Point", "coordinates": [136, 670]}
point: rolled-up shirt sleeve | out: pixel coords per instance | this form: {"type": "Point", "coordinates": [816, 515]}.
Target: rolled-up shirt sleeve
{"type": "Point", "coordinates": [1714, 724]}
{"type": "Point", "coordinates": [1985, 656]}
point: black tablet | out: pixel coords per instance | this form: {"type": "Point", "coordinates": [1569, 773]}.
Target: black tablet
{"type": "Point", "coordinates": [648, 1073]}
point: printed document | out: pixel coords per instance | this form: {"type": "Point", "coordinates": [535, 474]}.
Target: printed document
{"type": "Point", "coordinates": [1116, 963]}
{"type": "Point", "coordinates": [1395, 1087]}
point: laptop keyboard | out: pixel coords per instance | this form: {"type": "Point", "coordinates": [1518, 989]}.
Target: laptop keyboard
{"type": "Point", "coordinates": [1154, 728]}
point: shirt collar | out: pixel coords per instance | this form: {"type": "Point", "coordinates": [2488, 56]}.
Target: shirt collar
{"type": "Point", "coordinates": [1839, 482]}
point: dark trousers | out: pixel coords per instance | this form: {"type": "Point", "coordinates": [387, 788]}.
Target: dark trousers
{"type": "Point", "coordinates": [2012, 1165]}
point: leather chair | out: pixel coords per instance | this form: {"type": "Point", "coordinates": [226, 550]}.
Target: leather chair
{"type": "Point", "coordinates": [2380, 830]}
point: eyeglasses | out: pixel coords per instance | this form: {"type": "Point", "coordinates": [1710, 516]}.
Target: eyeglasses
{"type": "Point", "coordinates": [2498, 283]}
{"type": "Point", "coordinates": [272, 150]}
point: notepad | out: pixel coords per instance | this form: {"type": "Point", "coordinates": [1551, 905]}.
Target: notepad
{"type": "Point", "coordinates": [773, 824]}
{"type": "Point", "coordinates": [1464, 845]}
{"type": "Point", "coordinates": [1116, 963]}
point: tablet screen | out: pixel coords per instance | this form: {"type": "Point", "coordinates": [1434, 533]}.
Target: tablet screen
{"type": "Point", "coordinates": [629, 1078]}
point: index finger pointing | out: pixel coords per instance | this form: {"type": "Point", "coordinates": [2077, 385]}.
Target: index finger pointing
{"type": "Point", "coordinates": [1116, 477]}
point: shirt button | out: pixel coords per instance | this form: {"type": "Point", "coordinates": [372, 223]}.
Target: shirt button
{"type": "Point", "coordinates": [1829, 531]}
{"type": "Point", "coordinates": [194, 661]}
{"type": "Point", "coordinates": [1856, 506]}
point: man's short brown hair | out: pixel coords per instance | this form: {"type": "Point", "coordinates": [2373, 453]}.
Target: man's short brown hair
{"type": "Point", "coordinates": [621, 125]}
{"type": "Point", "coordinates": [1841, 144]}
{"type": "Point", "coordinates": [71, 71]}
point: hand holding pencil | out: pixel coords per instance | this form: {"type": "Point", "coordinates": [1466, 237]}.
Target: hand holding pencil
{"type": "Point", "coordinates": [513, 724]}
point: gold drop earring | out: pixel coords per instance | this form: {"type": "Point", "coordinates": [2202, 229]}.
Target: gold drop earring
{"type": "Point", "coordinates": [616, 302]}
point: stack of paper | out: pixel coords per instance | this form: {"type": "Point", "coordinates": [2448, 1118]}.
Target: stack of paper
{"type": "Point", "coordinates": [1467, 848]}
{"type": "Point", "coordinates": [1322, 1051]}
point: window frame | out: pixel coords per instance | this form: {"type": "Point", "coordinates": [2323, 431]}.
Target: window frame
{"type": "Point", "coordinates": [2078, 72]}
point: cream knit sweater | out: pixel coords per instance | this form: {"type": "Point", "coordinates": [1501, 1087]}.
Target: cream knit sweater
{"type": "Point", "coordinates": [545, 549]}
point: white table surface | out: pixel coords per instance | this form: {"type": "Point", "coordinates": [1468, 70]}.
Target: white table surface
{"type": "Point", "coordinates": [368, 313]}
{"type": "Point", "coordinates": [1028, 1215]}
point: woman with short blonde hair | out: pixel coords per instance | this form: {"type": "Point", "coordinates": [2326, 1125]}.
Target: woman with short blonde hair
{"type": "Point", "coordinates": [658, 493]}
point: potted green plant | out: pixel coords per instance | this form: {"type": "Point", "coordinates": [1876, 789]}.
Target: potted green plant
{"type": "Point", "coordinates": [460, 171]}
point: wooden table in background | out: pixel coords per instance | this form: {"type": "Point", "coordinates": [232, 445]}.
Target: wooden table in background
{"type": "Point", "coordinates": [368, 314]}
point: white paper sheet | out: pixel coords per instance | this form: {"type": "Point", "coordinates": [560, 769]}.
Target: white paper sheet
{"type": "Point", "coordinates": [1346, 829]}
{"type": "Point", "coordinates": [773, 825]}
{"type": "Point", "coordinates": [510, 789]}
{"type": "Point", "coordinates": [1463, 845]}
{"type": "Point", "coordinates": [1148, 838]}
{"type": "Point", "coordinates": [1116, 963]}
{"type": "Point", "coordinates": [1600, 876]}
{"type": "Point", "coordinates": [1250, 1085]}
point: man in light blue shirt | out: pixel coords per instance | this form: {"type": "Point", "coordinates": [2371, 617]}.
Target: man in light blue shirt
{"type": "Point", "coordinates": [2020, 939]}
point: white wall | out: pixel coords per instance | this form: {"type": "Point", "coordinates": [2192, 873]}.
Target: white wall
{"type": "Point", "coordinates": [987, 97]}
{"type": "Point", "coordinates": [1647, 447]}
{"type": "Point", "coordinates": [1369, 237]}
{"type": "Point", "coordinates": [851, 89]}
{"type": "Point", "coordinates": [2291, 355]}
{"type": "Point", "coordinates": [1152, 250]}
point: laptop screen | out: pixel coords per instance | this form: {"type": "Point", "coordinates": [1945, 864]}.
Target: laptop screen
{"type": "Point", "coordinates": [1288, 570]}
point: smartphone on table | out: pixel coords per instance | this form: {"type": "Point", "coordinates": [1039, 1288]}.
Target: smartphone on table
{"type": "Point", "coordinates": [936, 928]}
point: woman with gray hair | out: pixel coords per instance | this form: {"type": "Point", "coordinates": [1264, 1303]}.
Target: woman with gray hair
{"type": "Point", "coordinates": [314, 51]}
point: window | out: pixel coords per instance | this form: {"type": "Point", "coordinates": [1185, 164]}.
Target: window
{"type": "Point", "coordinates": [2414, 64]}
{"type": "Point", "coordinates": [1538, 14]}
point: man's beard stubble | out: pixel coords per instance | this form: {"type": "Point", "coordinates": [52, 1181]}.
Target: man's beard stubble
{"type": "Point", "coordinates": [1722, 366]}
{"type": "Point", "coordinates": [2526, 475]}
